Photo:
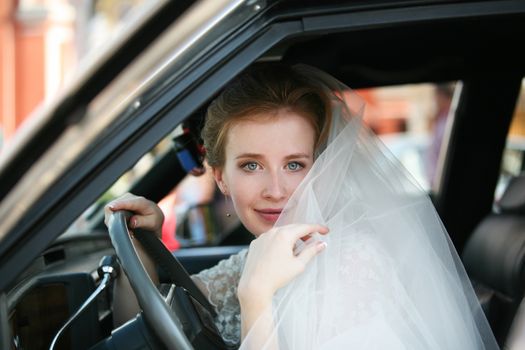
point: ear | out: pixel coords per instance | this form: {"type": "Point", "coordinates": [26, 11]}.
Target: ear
{"type": "Point", "coordinates": [218, 175]}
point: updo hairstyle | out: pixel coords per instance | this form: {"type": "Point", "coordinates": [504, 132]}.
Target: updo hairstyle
{"type": "Point", "coordinates": [263, 89]}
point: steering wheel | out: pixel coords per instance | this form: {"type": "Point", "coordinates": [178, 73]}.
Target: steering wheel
{"type": "Point", "coordinates": [165, 322]}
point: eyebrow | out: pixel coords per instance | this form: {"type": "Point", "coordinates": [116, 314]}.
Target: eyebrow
{"type": "Point", "coordinates": [259, 156]}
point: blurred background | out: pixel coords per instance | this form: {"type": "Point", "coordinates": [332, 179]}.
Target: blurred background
{"type": "Point", "coordinates": [44, 44]}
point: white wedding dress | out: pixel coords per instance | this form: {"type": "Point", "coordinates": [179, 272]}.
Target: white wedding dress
{"type": "Point", "coordinates": [220, 284]}
{"type": "Point", "coordinates": [389, 278]}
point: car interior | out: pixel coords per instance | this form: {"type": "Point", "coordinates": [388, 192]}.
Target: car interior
{"type": "Point", "coordinates": [494, 257]}
{"type": "Point", "coordinates": [51, 264]}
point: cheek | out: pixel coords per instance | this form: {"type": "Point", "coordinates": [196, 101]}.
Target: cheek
{"type": "Point", "coordinates": [295, 181]}
{"type": "Point", "coordinates": [242, 189]}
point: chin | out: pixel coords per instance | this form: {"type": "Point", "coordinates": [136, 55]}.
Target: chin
{"type": "Point", "coordinates": [259, 229]}
{"type": "Point", "coordinates": [255, 226]}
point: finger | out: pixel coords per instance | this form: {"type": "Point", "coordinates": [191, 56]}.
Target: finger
{"type": "Point", "coordinates": [127, 201]}
{"type": "Point", "coordinates": [138, 205]}
{"type": "Point", "coordinates": [298, 231]}
{"type": "Point", "coordinates": [122, 204]}
{"type": "Point", "coordinates": [144, 222]}
{"type": "Point", "coordinates": [121, 199]}
{"type": "Point", "coordinates": [310, 251]}
{"type": "Point", "coordinates": [109, 209]}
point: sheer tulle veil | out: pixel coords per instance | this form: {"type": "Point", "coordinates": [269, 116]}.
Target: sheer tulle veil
{"type": "Point", "coordinates": [390, 277]}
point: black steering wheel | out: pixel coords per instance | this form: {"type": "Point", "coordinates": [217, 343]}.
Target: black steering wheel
{"type": "Point", "coordinates": [163, 319]}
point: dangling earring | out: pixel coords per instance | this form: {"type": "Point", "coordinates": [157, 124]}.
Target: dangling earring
{"type": "Point", "coordinates": [222, 187]}
{"type": "Point", "coordinates": [228, 215]}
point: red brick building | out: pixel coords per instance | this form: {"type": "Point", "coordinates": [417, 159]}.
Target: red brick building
{"type": "Point", "coordinates": [36, 52]}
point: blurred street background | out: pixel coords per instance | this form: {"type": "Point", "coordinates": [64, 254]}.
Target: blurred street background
{"type": "Point", "coordinates": [44, 44]}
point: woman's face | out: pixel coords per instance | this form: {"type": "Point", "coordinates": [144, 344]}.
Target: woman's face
{"type": "Point", "coordinates": [266, 158]}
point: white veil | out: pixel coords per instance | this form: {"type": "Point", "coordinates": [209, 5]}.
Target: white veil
{"type": "Point", "coordinates": [390, 277]}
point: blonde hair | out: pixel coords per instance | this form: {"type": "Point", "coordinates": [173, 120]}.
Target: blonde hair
{"type": "Point", "coordinates": [263, 89]}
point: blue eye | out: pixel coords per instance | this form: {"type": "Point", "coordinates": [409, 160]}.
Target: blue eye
{"type": "Point", "coordinates": [251, 166]}
{"type": "Point", "coordinates": [294, 166]}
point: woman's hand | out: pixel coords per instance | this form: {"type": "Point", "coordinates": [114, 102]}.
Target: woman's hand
{"type": "Point", "coordinates": [146, 214]}
{"type": "Point", "coordinates": [271, 262]}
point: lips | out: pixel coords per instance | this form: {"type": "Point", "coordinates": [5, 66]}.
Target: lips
{"type": "Point", "coordinates": [268, 214]}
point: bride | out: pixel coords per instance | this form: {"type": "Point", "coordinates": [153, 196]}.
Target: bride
{"type": "Point", "coordinates": [349, 251]}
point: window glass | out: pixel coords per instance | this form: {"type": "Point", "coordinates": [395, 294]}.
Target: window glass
{"type": "Point", "coordinates": [411, 120]}
{"type": "Point", "coordinates": [120, 187]}
{"type": "Point", "coordinates": [195, 211]}
{"type": "Point", "coordinates": [512, 163]}
{"type": "Point", "coordinates": [198, 214]}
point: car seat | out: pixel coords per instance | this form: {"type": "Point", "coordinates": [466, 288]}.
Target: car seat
{"type": "Point", "coordinates": [494, 257]}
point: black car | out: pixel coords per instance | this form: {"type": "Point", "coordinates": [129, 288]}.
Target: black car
{"type": "Point", "coordinates": [143, 102]}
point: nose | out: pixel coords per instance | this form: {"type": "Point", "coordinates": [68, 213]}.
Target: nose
{"type": "Point", "coordinates": [274, 187]}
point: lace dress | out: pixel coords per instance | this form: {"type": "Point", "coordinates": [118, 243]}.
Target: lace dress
{"type": "Point", "coordinates": [220, 282]}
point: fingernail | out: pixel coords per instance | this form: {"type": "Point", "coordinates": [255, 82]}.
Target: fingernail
{"type": "Point", "coordinates": [322, 245]}
{"type": "Point", "coordinates": [111, 206]}
{"type": "Point", "coordinates": [133, 223]}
